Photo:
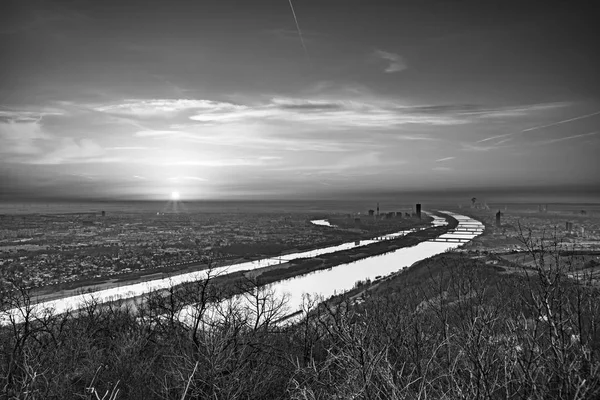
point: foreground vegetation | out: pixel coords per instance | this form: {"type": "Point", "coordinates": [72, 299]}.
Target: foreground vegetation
{"type": "Point", "coordinates": [447, 328]}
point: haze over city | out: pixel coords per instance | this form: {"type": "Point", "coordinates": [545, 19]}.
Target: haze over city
{"type": "Point", "coordinates": [222, 100]}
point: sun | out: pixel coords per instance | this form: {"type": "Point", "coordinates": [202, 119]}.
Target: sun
{"type": "Point", "coordinates": [174, 196]}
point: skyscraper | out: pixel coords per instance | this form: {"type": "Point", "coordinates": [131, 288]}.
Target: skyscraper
{"type": "Point", "coordinates": [378, 209]}
{"type": "Point", "coordinates": [418, 210]}
{"type": "Point", "coordinates": [498, 215]}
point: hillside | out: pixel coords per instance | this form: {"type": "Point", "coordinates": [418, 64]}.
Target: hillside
{"type": "Point", "coordinates": [448, 327]}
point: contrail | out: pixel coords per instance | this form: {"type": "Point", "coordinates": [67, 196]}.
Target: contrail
{"type": "Point", "coordinates": [562, 122]}
{"type": "Point", "coordinates": [535, 128]}
{"type": "Point", "coordinates": [570, 137]}
{"type": "Point", "coordinates": [299, 32]}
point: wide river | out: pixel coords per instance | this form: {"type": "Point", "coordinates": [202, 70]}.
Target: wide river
{"type": "Point", "coordinates": [324, 283]}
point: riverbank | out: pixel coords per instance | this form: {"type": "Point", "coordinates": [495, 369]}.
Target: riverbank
{"type": "Point", "coordinates": [236, 282]}
{"type": "Point", "coordinates": [96, 284]}
{"type": "Point", "coordinates": [326, 261]}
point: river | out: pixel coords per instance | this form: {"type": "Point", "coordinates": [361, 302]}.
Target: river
{"type": "Point", "coordinates": [323, 282]}
{"type": "Point", "coordinates": [339, 279]}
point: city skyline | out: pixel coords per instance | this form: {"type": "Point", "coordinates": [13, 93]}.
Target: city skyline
{"type": "Point", "coordinates": [138, 100]}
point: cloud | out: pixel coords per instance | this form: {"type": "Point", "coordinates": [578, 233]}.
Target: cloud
{"type": "Point", "coordinates": [306, 105]}
{"type": "Point", "coordinates": [340, 111]}
{"type": "Point", "coordinates": [163, 107]}
{"type": "Point", "coordinates": [127, 148]}
{"type": "Point", "coordinates": [480, 111]}
{"type": "Point", "coordinates": [21, 137]}
{"type": "Point", "coordinates": [569, 138]}
{"type": "Point", "coordinates": [535, 128]}
{"type": "Point", "coordinates": [476, 147]}
{"type": "Point", "coordinates": [26, 116]}
{"type": "Point", "coordinates": [415, 138]}
{"type": "Point", "coordinates": [266, 158]}
{"type": "Point", "coordinates": [187, 178]}
{"type": "Point", "coordinates": [443, 169]}
{"type": "Point", "coordinates": [361, 164]}
{"type": "Point", "coordinates": [153, 133]}
{"type": "Point", "coordinates": [324, 112]}
{"type": "Point", "coordinates": [70, 151]}
{"type": "Point", "coordinates": [231, 162]}
{"type": "Point", "coordinates": [240, 135]}
{"type": "Point", "coordinates": [445, 159]}
{"type": "Point", "coordinates": [396, 64]}
{"type": "Point", "coordinates": [561, 122]}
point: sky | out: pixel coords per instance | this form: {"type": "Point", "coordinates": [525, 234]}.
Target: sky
{"type": "Point", "coordinates": [214, 99]}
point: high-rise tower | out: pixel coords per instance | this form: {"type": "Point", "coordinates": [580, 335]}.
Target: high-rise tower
{"type": "Point", "coordinates": [418, 210]}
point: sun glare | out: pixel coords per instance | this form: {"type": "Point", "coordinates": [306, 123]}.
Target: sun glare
{"type": "Point", "coordinates": [174, 196]}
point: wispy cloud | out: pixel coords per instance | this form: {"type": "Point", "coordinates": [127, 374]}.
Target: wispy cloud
{"type": "Point", "coordinates": [127, 148]}
{"type": "Point", "coordinates": [26, 115]}
{"type": "Point", "coordinates": [445, 159]}
{"type": "Point", "coordinates": [151, 133]}
{"type": "Point", "coordinates": [70, 151]}
{"type": "Point", "coordinates": [348, 110]}
{"type": "Point", "coordinates": [476, 147]}
{"type": "Point", "coordinates": [259, 123]}
{"type": "Point", "coordinates": [476, 111]}
{"type": "Point", "coordinates": [267, 158]}
{"type": "Point", "coordinates": [535, 128]}
{"type": "Point", "coordinates": [187, 178]}
{"type": "Point", "coordinates": [569, 138]}
{"type": "Point", "coordinates": [163, 107]}
{"type": "Point", "coordinates": [362, 164]}
{"type": "Point", "coordinates": [20, 138]}
{"type": "Point", "coordinates": [416, 138]}
{"type": "Point", "coordinates": [332, 113]}
{"type": "Point", "coordinates": [396, 61]}
{"type": "Point", "coordinates": [231, 162]}
{"type": "Point", "coordinates": [562, 122]}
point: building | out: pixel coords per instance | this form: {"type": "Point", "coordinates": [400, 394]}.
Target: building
{"type": "Point", "coordinates": [498, 215]}
{"type": "Point", "coordinates": [378, 209]}
{"type": "Point", "coordinates": [371, 213]}
{"type": "Point", "coordinates": [104, 213]}
{"type": "Point", "coordinates": [418, 210]}
{"type": "Point", "coordinates": [569, 226]}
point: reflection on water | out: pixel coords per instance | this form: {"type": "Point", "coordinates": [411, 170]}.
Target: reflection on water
{"type": "Point", "coordinates": [325, 282]}
{"type": "Point", "coordinates": [322, 222]}
{"type": "Point", "coordinates": [342, 278]}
